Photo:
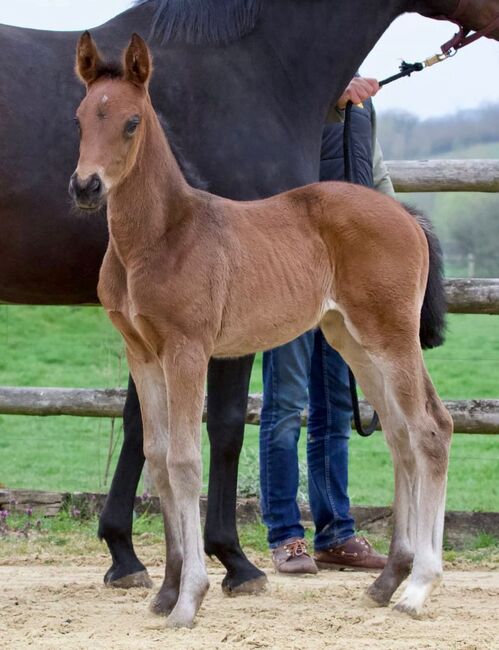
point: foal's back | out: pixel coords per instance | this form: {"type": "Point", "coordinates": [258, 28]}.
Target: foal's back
{"type": "Point", "coordinates": [282, 258]}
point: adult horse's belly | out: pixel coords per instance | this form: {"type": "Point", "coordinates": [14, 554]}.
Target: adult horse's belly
{"type": "Point", "coordinates": [49, 255]}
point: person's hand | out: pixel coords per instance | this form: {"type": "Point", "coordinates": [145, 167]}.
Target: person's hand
{"type": "Point", "coordinates": [358, 90]}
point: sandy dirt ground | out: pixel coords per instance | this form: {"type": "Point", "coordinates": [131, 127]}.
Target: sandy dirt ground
{"type": "Point", "coordinates": [64, 605]}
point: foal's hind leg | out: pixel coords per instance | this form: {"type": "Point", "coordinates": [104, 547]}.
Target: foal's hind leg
{"type": "Point", "coordinates": [430, 433]}
{"type": "Point", "coordinates": [115, 522]}
{"type": "Point", "coordinates": [372, 382]}
{"type": "Point", "coordinates": [228, 381]}
{"type": "Point", "coordinates": [417, 428]}
{"type": "Point", "coordinates": [401, 552]}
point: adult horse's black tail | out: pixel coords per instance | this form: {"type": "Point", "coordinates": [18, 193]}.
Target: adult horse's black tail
{"type": "Point", "coordinates": [432, 326]}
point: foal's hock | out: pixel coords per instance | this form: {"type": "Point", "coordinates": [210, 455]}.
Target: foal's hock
{"type": "Point", "coordinates": [188, 275]}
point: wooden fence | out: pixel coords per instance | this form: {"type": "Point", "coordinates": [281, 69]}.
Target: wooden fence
{"type": "Point", "coordinates": [470, 296]}
{"type": "Point", "coordinates": [470, 416]}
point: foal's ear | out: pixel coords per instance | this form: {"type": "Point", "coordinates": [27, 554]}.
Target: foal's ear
{"type": "Point", "coordinates": [88, 59]}
{"type": "Point", "coordinates": [138, 64]}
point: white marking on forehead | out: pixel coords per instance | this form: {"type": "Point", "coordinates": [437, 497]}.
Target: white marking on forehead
{"type": "Point", "coordinates": [104, 99]}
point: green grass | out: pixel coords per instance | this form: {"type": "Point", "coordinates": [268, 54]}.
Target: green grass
{"type": "Point", "coordinates": [77, 347]}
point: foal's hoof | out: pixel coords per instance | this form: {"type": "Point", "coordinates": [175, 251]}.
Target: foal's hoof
{"type": "Point", "coordinates": [373, 597]}
{"type": "Point", "coordinates": [368, 601]}
{"type": "Point", "coordinates": [254, 586]}
{"type": "Point", "coordinates": [415, 596]}
{"type": "Point", "coordinates": [164, 602]}
{"type": "Point", "coordinates": [405, 608]}
{"type": "Point", "coordinates": [138, 579]}
{"type": "Point", "coordinates": [179, 619]}
{"type": "Point", "coordinates": [187, 606]}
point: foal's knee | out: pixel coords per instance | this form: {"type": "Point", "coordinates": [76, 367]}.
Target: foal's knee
{"type": "Point", "coordinates": [155, 453]}
{"type": "Point", "coordinates": [185, 475]}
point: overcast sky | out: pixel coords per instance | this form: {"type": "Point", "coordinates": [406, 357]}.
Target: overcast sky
{"type": "Point", "coordinates": [466, 81]}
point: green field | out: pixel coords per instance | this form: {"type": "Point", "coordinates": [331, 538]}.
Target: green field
{"type": "Point", "coordinates": [63, 346]}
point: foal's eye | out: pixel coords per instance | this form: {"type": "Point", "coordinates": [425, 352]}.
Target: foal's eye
{"type": "Point", "coordinates": [131, 125]}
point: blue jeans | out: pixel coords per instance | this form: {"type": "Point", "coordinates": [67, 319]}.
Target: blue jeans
{"type": "Point", "coordinates": [308, 361]}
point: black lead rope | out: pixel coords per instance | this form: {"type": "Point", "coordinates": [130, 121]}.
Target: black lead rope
{"type": "Point", "coordinates": [373, 425]}
{"type": "Point", "coordinates": [406, 69]}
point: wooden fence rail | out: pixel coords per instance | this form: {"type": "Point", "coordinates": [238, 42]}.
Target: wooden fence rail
{"type": "Point", "coordinates": [470, 416]}
{"type": "Point", "coordinates": [444, 175]}
{"type": "Point", "coordinates": [473, 296]}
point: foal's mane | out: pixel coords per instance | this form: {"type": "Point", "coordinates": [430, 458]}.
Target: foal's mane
{"type": "Point", "coordinates": [209, 22]}
{"type": "Point", "coordinates": [110, 70]}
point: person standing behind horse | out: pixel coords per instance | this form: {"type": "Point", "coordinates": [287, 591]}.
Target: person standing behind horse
{"type": "Point", "coordinates": [309, 360]}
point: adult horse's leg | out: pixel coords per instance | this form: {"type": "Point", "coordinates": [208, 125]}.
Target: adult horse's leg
{"type": "Point", "coordinates": [115, 524]}
{"type": "Point", "coordinates": [228, 382]}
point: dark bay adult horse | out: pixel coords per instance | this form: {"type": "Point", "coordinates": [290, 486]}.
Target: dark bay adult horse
{"type": "Point", "coordinates": [244, 87]}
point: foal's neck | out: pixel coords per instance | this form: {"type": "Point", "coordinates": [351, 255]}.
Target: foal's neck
{"type": "Point", "coordinates": [151, 199]}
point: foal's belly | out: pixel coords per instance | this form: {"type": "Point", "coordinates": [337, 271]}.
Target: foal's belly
{"type": "Point", "coordinates": [267, 331]}
{"type": "Point", "coordinates": [278, 292]}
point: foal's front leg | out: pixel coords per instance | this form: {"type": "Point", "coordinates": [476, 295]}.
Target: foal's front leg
{"type": "Point", "coordinates": [185, 374]}
{"type": "Point", "coordinates": [151, 388]}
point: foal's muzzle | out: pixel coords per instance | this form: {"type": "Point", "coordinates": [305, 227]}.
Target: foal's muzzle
{"type": "Point", "coordinates": [88, 194]}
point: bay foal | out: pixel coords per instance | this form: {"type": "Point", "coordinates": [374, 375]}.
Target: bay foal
{"type": "Point", "coordinates": [188, 276]}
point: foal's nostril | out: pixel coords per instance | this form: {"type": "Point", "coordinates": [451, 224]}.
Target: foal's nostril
{"type": "Point", "coordinates": [71, 187]}
{"type": "Point", "coordinates": [87, 193]}
{"type": "Point", "coordinates": [94, 186]}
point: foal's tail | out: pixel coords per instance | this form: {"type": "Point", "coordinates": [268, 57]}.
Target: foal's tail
{"type": "Point", "coordinates": [432, 324]}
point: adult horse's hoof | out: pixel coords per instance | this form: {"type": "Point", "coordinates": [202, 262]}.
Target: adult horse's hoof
{"type": "Point", "coordinates": [253, 586]}
{"type": "Point", "coordinates": [138, 579]}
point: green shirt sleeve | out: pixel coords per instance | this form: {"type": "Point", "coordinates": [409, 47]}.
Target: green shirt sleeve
{"type": "Point", "coordinates": [335, 115]}
{"type": "Point", "coordinates": [381, 175]}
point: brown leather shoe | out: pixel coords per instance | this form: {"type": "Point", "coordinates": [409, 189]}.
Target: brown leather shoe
{"type": "Point", "coordinates": [291, 557]}
{"type": "Point", "coordinates": [356, 554]}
